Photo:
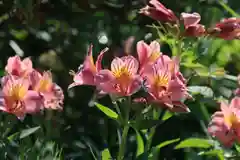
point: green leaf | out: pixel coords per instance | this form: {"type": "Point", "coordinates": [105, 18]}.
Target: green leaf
{"type": "Point", "coordinates": [140, 144]}
{"type": "Point", "coordinates": [13, 136]}
{"type": "Point", "coordinates": [107, 111]}
{"type": "Point", "coordinates": [194, 143]}
{"type": "Point", "coordinates": [106, 154]}
{"type": "Point", "coordinates": [155, 150]}
{"type": "Point", "coordinates": [203, 90]}
{"type": "Point", "coordinates": [237, 147]}
{"type": "Point", "coordinates": [216, 152]}
{"type": "Point", "coordinates": [26, 132]}
{"type": "Point", "coordinates": [165, 143]}
{"type": "Point", "coordinates": [167, 115]}
{"type": "Point", "coordinates": [230, 77]}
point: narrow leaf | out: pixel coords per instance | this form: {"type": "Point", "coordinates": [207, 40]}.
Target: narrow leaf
{"type": "Point", "coordinates": [26, 132]}
{"type": "Point", "coordinates": [167, 115]}
{"type": "Point", "coordinates": [107, 111]}
{"type": "Point", "coordinates": [203, 90]}
{"type": "Point", "coordinates": [216, 152]}
{"type": "Point", "coordinates": [165, 143]}
{"type": "Point", "coordinates": [194, 143]}
{"type": "Point", "coordinates": [140, 144]}
{"type": "Point", "coordinates": [106, 154]}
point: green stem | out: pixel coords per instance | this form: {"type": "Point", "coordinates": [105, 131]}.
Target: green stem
{"type": "Point", "coordinates": [156, 114]}
{"type": "Point", "coordinates": [123, 143]}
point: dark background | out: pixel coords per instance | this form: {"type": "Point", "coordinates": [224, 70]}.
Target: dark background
{"type": "Point", "coordinates": [56, 34]}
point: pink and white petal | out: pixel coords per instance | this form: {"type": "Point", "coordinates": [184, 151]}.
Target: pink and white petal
{"type": "Point", "coordinates": [135, 85]}
{"type": "Point", "coordinates": [159, 6]}
{"type": "Point", "coordinates": [190, 18]}
{"type": "Point", "coordinates": [155, 47]}
{"type": "Point", "coordinates": [84, 77]}
{"type": "Point", "coordinates": [33, 102]}
{"type": "Point", "coordinates": [27, 64]}
{"type": "Point", "coordinates": [104, 76]}
{"type": "Point", "coordinates": [99, 59]}
{"type": "Point", "coordinates": [131, 64]}
{"type": "Point", "coordinates": [235, 103]}
{"type": "Point", "coordinates": [117, 64]}
{"type": "Point", "coordinates": [143, 51]}
{"type": "Point", "coordinates": [13, 65]}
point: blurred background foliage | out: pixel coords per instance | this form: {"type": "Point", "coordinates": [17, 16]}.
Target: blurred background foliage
{"type": "Point", "coordinates": [56, 34]}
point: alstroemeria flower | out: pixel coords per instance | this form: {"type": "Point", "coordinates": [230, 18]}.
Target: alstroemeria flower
{"type": "Point", "coordinates": [166, 85]}
{"type": "Point", "coordinates": [227, 29]}
{"type": "Point", "coordinates": [159, 12]}
{"type": "Point", "coordinates": [88, 70]}
{"type": "Point", "coordinates": [225, 124]}
{"type": "Point", "coordinates": [17, 67]}
{"type": "Point", "coordinates": [191, 24]}
{"type": "Point", "coordinates": [147, 54]}
{"type": "Point", "coordinates": [51, 92]}
{"type": "Point", "coordinates": [18, 99]}
{"type": "Point", "coordinates": [122, 79]}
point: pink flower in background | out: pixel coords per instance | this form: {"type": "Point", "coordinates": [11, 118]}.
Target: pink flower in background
{"type": "Point", "coordinates": [227, 29]}
{"type": "Point", "coordinates": [159, 12]}
{"type": "Point", "coordinates": [191, 24]}
{"type": "Point", "coordinates": [147, 54]}
{"type": "Point", "coordinates": [122, 79]}
{"type": "Point", "coordinates": [225, 124]}
{"type": "Point", "coordinates": [17, 99]}
{"type": "Point", "coordinates": [88, 70]}
{"type": "Point", "coordinates": [52, 94]}
{"type": "Point", "coordinates": [166, 85]}
{"type": "Point", "coordinates": [17, 67]}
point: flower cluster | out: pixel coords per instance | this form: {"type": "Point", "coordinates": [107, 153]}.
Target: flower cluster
{"type": "Point", "coordinates": [25, 90]}
{"type": "Point", "coordinates": [227, 29]}
{"type": "Point", "coordinates": [158, 73]}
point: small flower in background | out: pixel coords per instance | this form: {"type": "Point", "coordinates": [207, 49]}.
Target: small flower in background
{"type": "Point", "coordinates": [147, 54]}
{"type": "Point", "coordinates": [159, 12]}
{"type": "Point", "coordinates": [18, 99]}
{"type": "Point", "coordinates": [17, 67]}
{"type": "Point", "coordinates": [225, 124]}
{"type": "Point", "coordinates": [227, 29]}
{"type": "Point", "coordinates": [87, 71]}
{"type": "Point", "coordinates": [191, 24]}
{"type": "Point", "coordinates": [51, 92]}
{"type": "Point", "coordinates": [122, 79]}
{"type": "Point", "coordinates": [165, 84]}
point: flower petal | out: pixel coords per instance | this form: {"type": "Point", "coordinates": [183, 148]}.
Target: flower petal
{"type": "Point", "coordinates": [131, 64]}
{"type": "Point", "coordinates": [33, 102]}
{"type": "Point", "coordinates": [155, 47]}
{"type": "Point", "coordinates": [116, 65]}
{"type": "Point", "coordinates": [99, 59]}
{"type": "Point", "coordinates": [143, 51]}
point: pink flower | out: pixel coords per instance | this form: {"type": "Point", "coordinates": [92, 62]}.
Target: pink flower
{"type": "Point", "coordinates": [159, 12]}
{"type": "Point", "coordinates": [225, 124]}
{"type": "Point", "coordinates": [51, 92]}
{"type": "Point", "coordinates": [122, 79]}
{"type": "Point", "coordinates": [227, 29]}
{"type": "Point", "coordinates": [17, 67]}
{"type": "Point", "coordinates": [17, 99]}
{"type": "Point", "coordinates": [147, 54]}
{"type": "Point", "coordinates": [191, 24]}
{"type": "Point", "coordinates": [88, 70]}
{"type": "Point", "coordinates": [165, 84]}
